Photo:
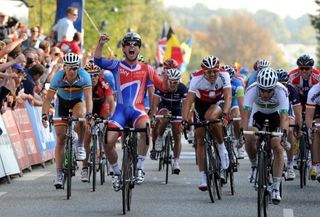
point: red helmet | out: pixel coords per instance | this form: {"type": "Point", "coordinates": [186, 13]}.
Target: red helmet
{"type": "Point", "coordinates": [170, 64]}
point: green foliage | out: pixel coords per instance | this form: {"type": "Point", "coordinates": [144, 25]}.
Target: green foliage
{"type": "Point", "coordinates": [315, 21]}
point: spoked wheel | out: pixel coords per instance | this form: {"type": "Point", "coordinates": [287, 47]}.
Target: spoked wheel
{"type": "Point", "coordinates": [217, 171]}
{"type": "Point", "coordinates": [167, 156]}
{"type": "Point", "coordinates": [262, 200]}
{"type": "Point", "coordinates": [103, 163]}
{"type": "Point", "coordinates": [209, 165]}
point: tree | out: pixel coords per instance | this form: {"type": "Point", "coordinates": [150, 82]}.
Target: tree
{"type": "Point", "coordinates": [239, 38]}
{"type": "Point", "coordinates": [315, 21]}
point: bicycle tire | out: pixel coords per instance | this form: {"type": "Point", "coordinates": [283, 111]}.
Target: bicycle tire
{"type": "Point", "coordinates": [94, 162]}
{"type": "Point", "coordinates": [103, 163]}
{"type": "Point", "coordinates": [167, 158]}
{"type": "Point", "coordinates": [69, 166]}
{"type": "Point", "coordinates": [216, 162]}
{"type": "Point", "coordinates": [302, 165]}
{"type": "Point", "coordinates": [261, 176]}
{"type": "Point", "coordinates": [125, 177]}
{"type": "Point", "coordinates": [208, 170]}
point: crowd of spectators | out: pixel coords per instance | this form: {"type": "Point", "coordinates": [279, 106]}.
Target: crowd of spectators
{"type": "Point", "coordinates": [29, 58]}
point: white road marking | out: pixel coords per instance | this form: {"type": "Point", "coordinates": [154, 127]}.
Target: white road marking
{"type": "Point", "coordinates": [287, 212]}
{"type": "Point", "coordinates": [2, 193]}
{"type": "Point", "coordinates": [32, 176]}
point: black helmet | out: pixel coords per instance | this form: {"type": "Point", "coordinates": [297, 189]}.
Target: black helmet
{"type": "Point", "coordinates": [305, 60]}
{"type": "Point", "coordinates": [131, 36]}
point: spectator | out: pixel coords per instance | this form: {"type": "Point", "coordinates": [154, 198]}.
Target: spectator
{"type": "Point", "coordinates": [64, 28]}
{"type": "Point", "coordinates": [3, 26]}
{"type": "Point", "coordinates": [71, 46]}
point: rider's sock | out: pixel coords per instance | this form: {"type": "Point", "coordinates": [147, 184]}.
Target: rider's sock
{"type": "Point", "coordinates": [59, 171]}
{"type": "Point", "coordinates": [140, 163]}
{"type": "Point", "coordinates": [116, 168]}
{"type": "Point", "coordinates": [290, 163]}
{"type": "Point", "coordinates": [276, 183]}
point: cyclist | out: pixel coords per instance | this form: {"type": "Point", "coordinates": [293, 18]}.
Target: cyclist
{"type": "Point", "coordinates": [207, 87]}
{"type": "Point", "coordinates": [266, 99]}
{"type": "Point", "coordinates": [313, 114]}
{"type": "Point", "coordinates": [258, 65]}
{"type": "Point", "coordinates": [168, 64]}
{"type": "Point", "coordinates": [295, 117]}
{"type": "Point", "coordinates": [303, 78]}
{"type": "Point", "coordinates": [236, 107]}
{"type": "Point", "coordinates": [131, 78]}
{"type": "Point", "coordinates": [73, 86]}
{"type": "Point", "coordinates": [167, 103]}
{"type": "Point", "coordinates": [103, 107]}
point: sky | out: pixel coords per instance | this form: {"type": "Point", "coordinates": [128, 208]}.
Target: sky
{"type": "Point", "coordinates": [293, 8]}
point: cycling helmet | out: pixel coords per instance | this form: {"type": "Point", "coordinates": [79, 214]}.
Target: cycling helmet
{"type": "Point", "coordinates": [131, 36]}
{"type": "Point", "coordinates": [173, 74]}
{"type": "Point", "coordinates": [283, 76]}
{"type": "Point", "coordinates": [71, 59]}
{"type": "Point", "coordinates": [170, 64]}
{"type": "Point", "coordinates": [267, 78]}
{"type": "Point", "coordinates": [263, 64]}
{"type": "Point", "coordinates": [210, 62]}
{"type": "Point", "coordinates": [230, 69]}
{"type": "Point", "coordinates": [305, 60]}
{"type": "Point", "coordinates": [244, 70]}
{"type": "Point", "coordinates": [92, 68]}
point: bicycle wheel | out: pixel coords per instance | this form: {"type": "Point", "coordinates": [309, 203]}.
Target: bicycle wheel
{"type": "Point", "coordinates": [302, 165]}
{"type": "Point", "coordinates": [103, 163]}
{"type": "Point", "coordinates": [94, 161]}
{"type": "Point", "coordinates": [261, 176]}
{"type": "Point", "coordinates": [69, 166]}
{"type": "Point", "coordinates": [208, 167]}
{"type": "Point", "coordinates": [167, 156]}
{"type": "Point", "coordinates": [125, 178]}
{"type": "Point", "coordinates": [216, 164]}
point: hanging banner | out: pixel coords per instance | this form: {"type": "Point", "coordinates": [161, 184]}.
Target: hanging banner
{"type": "Point", "coordinates": [45, 139]}
{"type": "Point", "coordinates": [16, 139]}
{"type": "Point", "coordinates": [26, 130]}
{"type": "Point", "coordinates": [8, 161]}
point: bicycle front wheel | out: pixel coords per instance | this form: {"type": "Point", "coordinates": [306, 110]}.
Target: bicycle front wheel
{"type": "Point", "coordinates": [69, 166]}
{"type": "Point", "coordinates": [208, 164]}
{"type": "Point", "coordinates": [94, 162]}
{"type": "Point", "coordinates": [262, 184]}
{"type": "Point", "coordinates": [167, 156]}
{"type": "Point", "coordinates": [125, 179]}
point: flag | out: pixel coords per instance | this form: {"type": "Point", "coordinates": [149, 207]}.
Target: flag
{"type": "Point", "coordinates": [186, 52]}
{"type": "Point", "coordinates": [173, 49]}
{"type": "Point", "coordinates": [162, 44]}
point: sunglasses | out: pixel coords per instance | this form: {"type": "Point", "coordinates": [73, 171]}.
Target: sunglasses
{"type": "Point", "coordinates": [75, 68]}
{"type": "Point", "coordinates": [173, 82]}
{"type": "Point", "coordinates": [132, 43]}
{"type": "Point", "coordinates": [266, 90]}
{"type": "Point", "coordinates": [305, 68]}
{"type": "Point", "coordinates": [56, 54]}
{"type": "Point", "coordinates": [94, 75]}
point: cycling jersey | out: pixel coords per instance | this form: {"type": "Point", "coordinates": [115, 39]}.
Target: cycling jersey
{"type": "Point", "coordinates": [68, 91]}
{"type": "Point", "coordinates": [130, 84]}
{"type": "Point", "coordinates": [172, 99]}
{"type": "Point", "coordinates": [301, 85]}
{"type": "Point", "coordinates": [314, 96]}
{"type": "Point", "coordinates": [207, 92]}
{"type": "Point", "coordinates": [237, 91]}
{"type": "Point", "coordinates": [108, 76]}
{"type": "Point", "coordinates": [279, 102]}
{"type": "Point", "coordinates": [294, 99]}
{"type": "Point", "coordinates": [252, 78]}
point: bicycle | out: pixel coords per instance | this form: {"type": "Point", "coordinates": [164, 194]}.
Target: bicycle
{"type": "Point", "coordinates": [264, 169]}
{"type": "Point", "coordinates": [165, 156]}
{"type": "Point", "coordinates": [129, 162]}
{"type": "Point", "coordinates": [233, 160]}
{"type": "Point", "coordinates": [211, 159]}
{"type": "Point", "coordinates": [97, 160]}
{"type": "Point", "coordinates": [69, 158]}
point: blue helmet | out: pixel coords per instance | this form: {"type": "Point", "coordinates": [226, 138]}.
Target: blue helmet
{"type": "Point", "coordinates": [283, 76]}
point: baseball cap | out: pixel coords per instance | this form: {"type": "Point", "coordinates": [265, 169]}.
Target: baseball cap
{"type": "Point", "coordinates": [17, 66]}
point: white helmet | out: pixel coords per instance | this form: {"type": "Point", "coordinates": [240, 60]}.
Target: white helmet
{"type": "Point", "coordinates": [71, 59]}
{"type": "Point", "coordinates": [267, 78]}
{"type": "Point", "coordinates": [210, 62]}
{"type": "Point", "coordinates": [173, 74]}
{"type": "Point", "coordinates": [263, 64]}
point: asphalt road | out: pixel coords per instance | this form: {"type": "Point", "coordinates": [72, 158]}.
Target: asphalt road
{"type": "Point", "coordinates": [34, 195]}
